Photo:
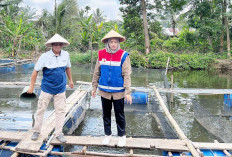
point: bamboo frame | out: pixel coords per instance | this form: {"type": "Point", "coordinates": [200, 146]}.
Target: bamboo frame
{"type": "Point", "coordinates": [224, 151]}
{"type": "Point", "coordinates": [176, 126]}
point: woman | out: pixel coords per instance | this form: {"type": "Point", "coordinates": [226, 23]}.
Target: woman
{"type": "Point", "coordinates": [112, 77]}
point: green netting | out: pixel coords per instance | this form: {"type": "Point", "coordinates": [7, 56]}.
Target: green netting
{"type": "Point", "coordinates": [218, 125]}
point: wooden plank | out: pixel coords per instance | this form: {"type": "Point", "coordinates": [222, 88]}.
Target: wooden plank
{"type": "Point", "coordinates": [11, 135]}
{"type": "Point", "coordinates": [213, 146]}
{"type": "Point", "coordinates": [6, 64]}
{"type": "Point", "coordinates": [27, 145]}
{"type": "Point", "coordinates": [195, 91]}
{"type": "Point", "coordinates": [18, 83]}
{"type": "Point", "coordinates": [142, 143]}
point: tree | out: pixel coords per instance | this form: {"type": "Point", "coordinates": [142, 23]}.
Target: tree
{"type": "Point", "coordinates": [98, 16]}
{"type": "Point", "coordinates": [205, 17]}
{"type": "Point", "coordinates": [145, 26]}
{"type": "Point", "coordinates": [5, 3]}
{"type": "Point", "coordinates": [14, 30]}
{"type": "Point", "coordinates": [170, 9]}
{"type": "Point", "coordinates": [87, 8]}
{"type": "Point", "coordinates": [227, 30]}
{"type": "Point", "coordinates": [132, 24]}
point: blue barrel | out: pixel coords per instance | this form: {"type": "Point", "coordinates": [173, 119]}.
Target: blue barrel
{"type": "Point", "coordinates": [228, 99]}
{"type": "Point", "coordinates": [28, 65]}
{"type": "Point", "coordinates": [206, 152]}
{"type": "Point", "coordinates": [139, 97]}
{"type": "Point", "coordinates": [7, 69]}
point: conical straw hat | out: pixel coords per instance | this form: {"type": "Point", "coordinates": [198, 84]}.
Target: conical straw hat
{"type": "Point", "coordinates": [57, 39]}
{"type": "Point", "coordinates": [113, 34]}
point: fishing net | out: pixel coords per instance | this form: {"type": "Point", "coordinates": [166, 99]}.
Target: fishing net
{"type": "Point", "coordinates": [162, 120]}
{"type": "Point", "coordinates": [218, 125]}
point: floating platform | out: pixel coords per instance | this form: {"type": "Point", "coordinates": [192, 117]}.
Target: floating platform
{"type": "Point", "coordinates": [8, 66]}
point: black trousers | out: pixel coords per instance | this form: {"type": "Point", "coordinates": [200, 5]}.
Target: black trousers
{"type": "Point", "coordinates": [119, 115]}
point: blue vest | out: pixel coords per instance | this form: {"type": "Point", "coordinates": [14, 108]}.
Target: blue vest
{"type": "Point", "coordinates": [111, 79]}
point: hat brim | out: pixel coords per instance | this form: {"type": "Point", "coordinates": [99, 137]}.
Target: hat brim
{"type": "Point", "coordinates": [57, 39]}
{"type": "Point", "coordinates": [121, 39]}
{"type": "Point", "coordinates": [50, 44]}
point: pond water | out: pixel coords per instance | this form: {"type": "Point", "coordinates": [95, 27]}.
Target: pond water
{"type": "Point", "coordinates": [17, 115]}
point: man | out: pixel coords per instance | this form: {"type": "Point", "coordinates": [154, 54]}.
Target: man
{"type": "Point", "coordinates": [112, 77]}
{"type": "Point", "coordinates": [55, 64]}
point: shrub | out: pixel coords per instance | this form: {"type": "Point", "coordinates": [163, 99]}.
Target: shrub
{"type": "Point", "coordinates": [138, 60]}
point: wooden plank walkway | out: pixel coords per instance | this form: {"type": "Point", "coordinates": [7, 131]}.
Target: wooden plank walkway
{"type": "Point", "coordinates": [139, 143]}
{"type": "Point", "coordinates": [142, 143]}
{"type": "Point", "coordinates": [27, 145]}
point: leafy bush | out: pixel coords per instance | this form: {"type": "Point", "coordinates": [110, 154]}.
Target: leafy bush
{"type": "Point", "coordinates": [77, 58]}
{"type": "Point", "coordinates": [181, 61]}
{"type": "Point", "coordinates": [138, 60]}
{"type": "Point", "coordinates": [172, 44]}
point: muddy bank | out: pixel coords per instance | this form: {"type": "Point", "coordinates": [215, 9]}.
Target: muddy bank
{"type": "Point", "coordinates": [223, 65]}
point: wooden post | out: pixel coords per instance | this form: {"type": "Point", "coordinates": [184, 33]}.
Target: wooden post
{"type": "Point", "coordinates": [176, 126]}
{"type": "Point", "coordinates": [166, 71]}
{"type": "Point", "coordinates": [172, 89]}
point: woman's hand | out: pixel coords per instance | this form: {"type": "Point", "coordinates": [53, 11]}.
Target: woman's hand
{"type": "Point", "coordinates": [128, 99]}
{"type": "Point", "coordinates": [93, 93]}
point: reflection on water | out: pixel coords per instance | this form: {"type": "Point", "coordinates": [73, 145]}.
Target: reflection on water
{"type": "Point", "coordinates": [15, 114]}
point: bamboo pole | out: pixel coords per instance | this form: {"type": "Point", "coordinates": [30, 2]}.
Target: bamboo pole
{"type": "Point", "coordinates": [224, 151]}
{"type": "Point", "coordinates": [176, 126]}
{"type": "Point", "coordinates": [166, 71]}
{"type": "Point", "coordinates": [15, 154]}
{"type": "Point", "coordinates": [48, 150]}
{"type": "Point", "coordinates": [77, 153]}
{"type": "Point", "coordinates": [89, 153]}
{"type": "Point", "coordinates": [170, 154]}
{"type": "Point", "coordinates": [172, 89]}
{"type": "Point", "coordinates": [84, 150]}
{"type": "Point", "coordinates": [199, 151]}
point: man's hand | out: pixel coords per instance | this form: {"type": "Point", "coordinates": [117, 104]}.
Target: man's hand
{"type": "Point", "coordinates": [128, 99]}
{"type": "Point", "coordinates": [93, 93]}
{"type": "Point", "coordinates": [30, 90]}
{"type": "Point", "coordinates": [71, 85]}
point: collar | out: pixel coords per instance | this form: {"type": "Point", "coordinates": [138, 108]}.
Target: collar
{"type": "Point", "coordinates": [53, 54]}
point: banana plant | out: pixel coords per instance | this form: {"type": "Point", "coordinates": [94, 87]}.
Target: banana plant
{"type": "Point", "coordinates": [88, 24]}
{"type": "Point", "coordinates": [14, 29]}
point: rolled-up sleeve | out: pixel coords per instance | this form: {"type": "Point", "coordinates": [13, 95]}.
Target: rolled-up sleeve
{"type": "Point", "coordinates": [40, 63]}
{"type": "Point", "coordinates": [126, 72]}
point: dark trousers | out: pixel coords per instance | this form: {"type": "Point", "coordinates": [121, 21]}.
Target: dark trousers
{"type": "Point", "coordinates": [119, 115]}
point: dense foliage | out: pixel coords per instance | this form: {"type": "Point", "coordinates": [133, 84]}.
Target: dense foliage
{"type": "Point", "coordinates": [203, 36]}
